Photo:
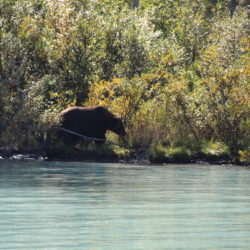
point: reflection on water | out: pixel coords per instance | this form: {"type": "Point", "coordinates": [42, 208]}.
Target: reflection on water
{"type": "Point", "coordinates": [55, 205]}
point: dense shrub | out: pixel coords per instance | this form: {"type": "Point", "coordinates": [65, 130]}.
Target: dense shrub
{"type": "Point", "coordinates": [176, 72]}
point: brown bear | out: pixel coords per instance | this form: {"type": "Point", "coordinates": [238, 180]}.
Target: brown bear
{"type": "Point", "coordinates": [89, 121]}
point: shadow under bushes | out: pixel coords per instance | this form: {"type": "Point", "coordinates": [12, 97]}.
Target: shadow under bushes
{"type": "Point", "coordinates": [87, 152]}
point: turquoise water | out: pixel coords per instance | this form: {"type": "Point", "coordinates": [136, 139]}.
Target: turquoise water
{"type": "Point", "coordinates": [65, 205]}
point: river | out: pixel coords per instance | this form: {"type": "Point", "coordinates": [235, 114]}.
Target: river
{"type": "Point", "coordinates": [73, 205]}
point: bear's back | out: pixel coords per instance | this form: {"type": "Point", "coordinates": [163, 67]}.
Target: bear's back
{"type": "Point", "coordinates": [83, 116]}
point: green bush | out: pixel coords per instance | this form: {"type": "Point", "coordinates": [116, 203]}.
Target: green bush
{"type": "Point", "coordinates": [162, 154]}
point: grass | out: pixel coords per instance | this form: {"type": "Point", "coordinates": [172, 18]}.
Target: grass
{"type": "Point", "coordinates": [213, 152]}
{"type": "Point", "coordinates": [161, 154]}
{"type": "Point", "coordinates": [210, 152]}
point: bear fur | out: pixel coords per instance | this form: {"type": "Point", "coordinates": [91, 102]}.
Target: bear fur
{"type": "Point", "coordinates": [92, 121]}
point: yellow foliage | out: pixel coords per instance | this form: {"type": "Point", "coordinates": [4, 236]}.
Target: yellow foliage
{"type": "Point", "coordinates": [103, 92]}
{"type": "Point", "coordinates": [122, 96]}
{"type": "Point", "coordinates": [245, 155]}
{"type": "Point", "coordinates": [29, 28]}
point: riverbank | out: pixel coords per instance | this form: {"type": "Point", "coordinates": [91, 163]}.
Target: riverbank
{"type": "Point", "coordinates": [107, 156]}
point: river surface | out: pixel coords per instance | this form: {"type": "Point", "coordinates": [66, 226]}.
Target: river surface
{"type": "Point", "coordinates": [66, 205]}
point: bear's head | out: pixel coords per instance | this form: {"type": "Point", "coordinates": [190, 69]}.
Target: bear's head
{"type": "Point", "coordinates": [117, 126]}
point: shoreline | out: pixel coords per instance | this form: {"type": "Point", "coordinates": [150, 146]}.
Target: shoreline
{"type": "Point", "coordinates": [21, 156]}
